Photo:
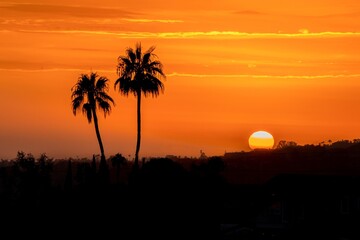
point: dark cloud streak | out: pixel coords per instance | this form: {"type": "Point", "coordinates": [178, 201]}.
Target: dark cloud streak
{"type": "Point", "coordinates": [74, 11]}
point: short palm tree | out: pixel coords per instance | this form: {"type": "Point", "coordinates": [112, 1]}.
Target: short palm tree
{"type": "Point", "coordinates": [89, 94]}
{"type": "Point", "coordinates": [139, 74]}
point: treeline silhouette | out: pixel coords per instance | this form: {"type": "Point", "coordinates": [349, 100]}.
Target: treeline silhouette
{"type": "Point", "coordinates": [257, 167]}
{"type": "Point", "coordinates": [292, 191]}
{"type": "Point", "coordinates": [81, 191]}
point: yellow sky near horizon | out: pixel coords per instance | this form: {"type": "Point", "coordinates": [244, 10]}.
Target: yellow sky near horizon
{"type": "Point", "coordinates": [233, 68]}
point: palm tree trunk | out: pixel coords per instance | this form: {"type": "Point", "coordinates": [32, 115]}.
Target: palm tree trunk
{"type": "Point", "coordinates": [136, 164]}
{"type": "Point", "coordinates": [103, 168]}
{"type": "Point", "coordinates": [98, 135]}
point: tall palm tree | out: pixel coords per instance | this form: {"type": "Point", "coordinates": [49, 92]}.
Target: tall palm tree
{"type": "Point", "coordinates": [139, 73]}
{"type": "Point", "coordinates": [89, 94]}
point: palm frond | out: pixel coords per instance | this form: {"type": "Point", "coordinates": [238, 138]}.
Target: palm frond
{"type": "Point", "coordinates": [92, 78]}
{"type": "Point", "coordinates": [84, 81]}
{"type": "Point", "coordinates": [102, 84]}
{"type": "Point", "coordinates": [126, 85]}
{"type": "Point", "coordinates": [152, 86]}
{"type": "Point", "coordinates": [138, 52]}
{"type": "Point", "coordinates": [126, 67]}
{"type": "Point", "coordinates": [87, 110]}
{"type": "Point", "coordinates": [76, 103]}
{"type": "Point", "coordinates": [156, 70]}
{"type": "Point", "coordinates": [104, 106]}
{"type": "Point", "coordinates": [155, 63]}
{"type": "Point", "coordinates": [117, 83]}
{"type": "Point", "coordinates": [105, 97]}
{"type": "Point", "coordinates": [77, 92]}
{"type": "Point", "coordinates": [148, 56]}
{"type": "Point", "coordinates": [150, 50]}
{"type": "Point", "coordinates": [125, 61]}
{"type": "Point", "coordinates": [90, 92]}
{"type": "Point", "coordinates": [146, 59]}
{"type": "Point", "coordinates": [131, 55]}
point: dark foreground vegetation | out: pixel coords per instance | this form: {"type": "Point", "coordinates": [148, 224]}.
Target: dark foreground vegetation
{"type": "Point", "coordinates": [294, 192]}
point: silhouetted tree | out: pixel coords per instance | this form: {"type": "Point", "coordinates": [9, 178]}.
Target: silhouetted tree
{"type": "Point", "coordinates": [25, 162]}
{"type": "Point", "coordinates": [139, 73]}
{"type": "Point", "coordinates": [90, 94]}
{"type": "Point", "coordinates": [286, 144]}
{"type": "Point", "coordinates": [25, 170]}
{"type": "Point", "coordinates": [160, 173]}
{"type": "Point", "coordinates": [93, 169]}
{"type": "Point", "coordinates": [45, 163]}
{"type": "Point", "coordinates": [68, 179]}
{"type": "Point", "coordinates": [103, 173]}
{"type": "Point", "coordinates": [45, 167]}
{"type": "Point", "coordinates": [342, 144]}
{"type": "Point", "coordinates": [117, 161]}
{"type": "Point", "coordinates": [93, 164]}
{"type": "Point", "coordinates": [31, 179]}
{"type": "Point", "coordinates": [215, 165]}
{"type": "Point", "coordinates": [202, 155]}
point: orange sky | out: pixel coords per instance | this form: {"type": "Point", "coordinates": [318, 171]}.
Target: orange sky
{"type": "Point", "coordinates": [233, 67]}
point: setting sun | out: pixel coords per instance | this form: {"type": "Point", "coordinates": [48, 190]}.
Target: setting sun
{"type": "Point", "coordinates": [261, 140]}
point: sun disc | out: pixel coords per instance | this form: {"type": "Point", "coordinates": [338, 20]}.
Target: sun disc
{"type": "Point", "coordinates": [261, 140]}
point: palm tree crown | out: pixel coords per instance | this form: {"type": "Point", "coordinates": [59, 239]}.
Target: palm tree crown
{"type": "Point", "coordinates": [140, 72]}
{"type": "Point", "coordinates": [90, 94]}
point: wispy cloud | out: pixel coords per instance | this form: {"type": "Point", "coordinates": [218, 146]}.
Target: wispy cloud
{"type": "Point", "coordinates": [65, 10]}
{"type": "Point", "coordinates": [338, 15]}
{"type": "Point", "coordinates": [55, 70]}
{"type": "Point", "coordinates": [209, 34]}
{"type": "Point", "coordinates": [144, 20]}
{"type": "Point", "coordinates": [175, 74]}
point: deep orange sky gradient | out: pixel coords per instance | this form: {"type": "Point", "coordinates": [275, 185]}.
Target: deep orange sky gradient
{"type": "Point", "coordinates": [291, 68]}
